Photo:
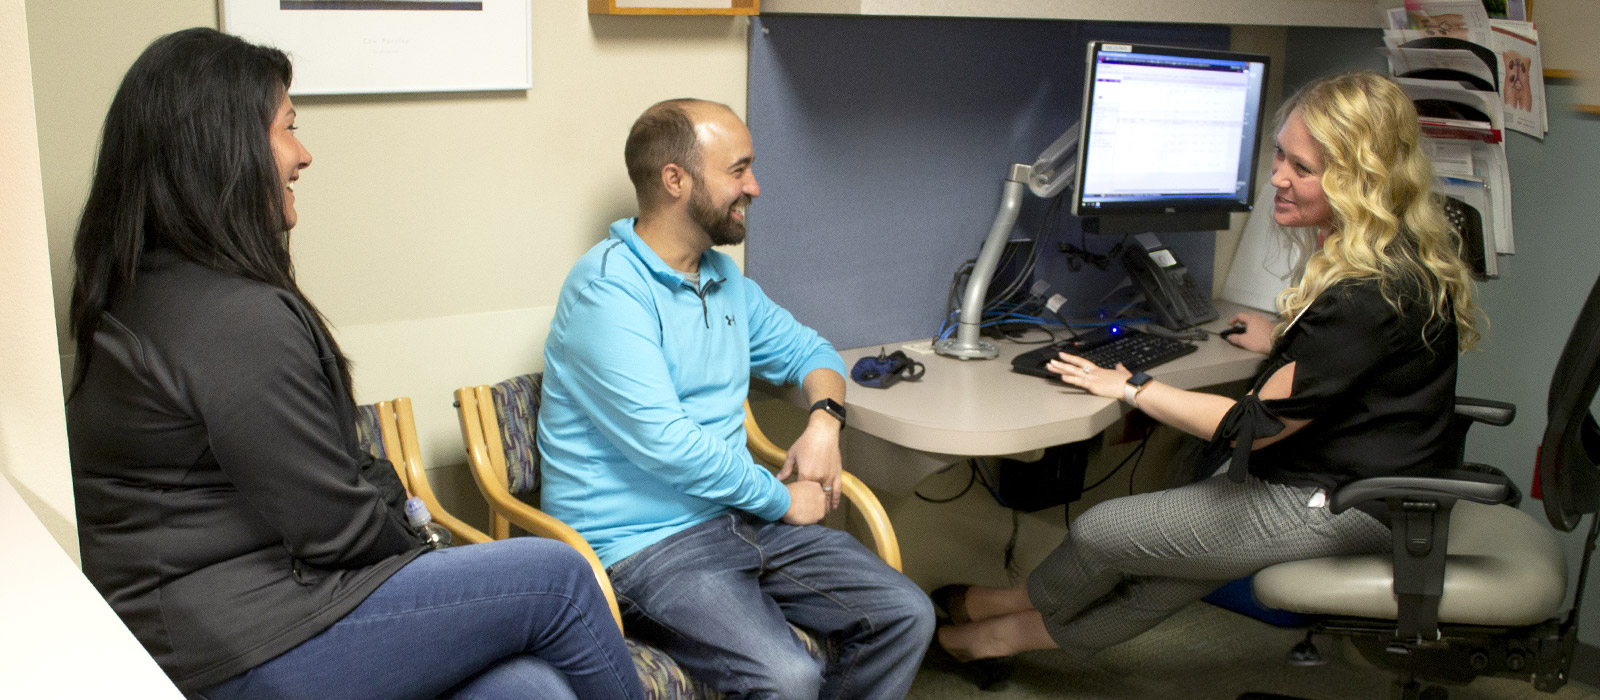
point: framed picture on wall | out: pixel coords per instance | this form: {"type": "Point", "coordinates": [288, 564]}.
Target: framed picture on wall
{"type": "Point", "coordinates": [674, 7]}
{"type": "Point", "coordinates": [345, 47]}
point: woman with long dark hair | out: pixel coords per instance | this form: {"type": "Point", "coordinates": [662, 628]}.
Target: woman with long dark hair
{"type": "Point", "coordinates": [1359, 382]}
{"type": "Point", "coordinates": [224, 508]}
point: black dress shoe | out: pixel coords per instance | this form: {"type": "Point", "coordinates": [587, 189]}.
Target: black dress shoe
{"type": "Point", "coordinates": [950, 603]}
{"type": "Point", "coordinates": [988, 674]}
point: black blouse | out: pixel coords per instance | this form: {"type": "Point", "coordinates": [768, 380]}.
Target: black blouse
{"type": "Point", "coordinates": [1379, 397]}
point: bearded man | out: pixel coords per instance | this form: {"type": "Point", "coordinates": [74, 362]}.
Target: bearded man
{"type": "Point", "coordinates": [641, 433]}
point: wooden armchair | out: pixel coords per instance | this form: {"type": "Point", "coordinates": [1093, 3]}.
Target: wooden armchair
{"type": "Point", "coordinates": [388, 429]}
{"type": "Point", "coordinates": [498, 429]}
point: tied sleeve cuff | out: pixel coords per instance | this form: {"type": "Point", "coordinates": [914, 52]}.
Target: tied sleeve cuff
{"type": "Point", "coordinates": [1248, 420]}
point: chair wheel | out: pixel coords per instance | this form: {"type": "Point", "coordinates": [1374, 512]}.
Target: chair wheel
{"type": "Point", "coordinates": [1413, 690]}
{"type": "Point", "coordinates": [1305, 654]}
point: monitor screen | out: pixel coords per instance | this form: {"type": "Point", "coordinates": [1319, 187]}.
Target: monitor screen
{"type": "Point", "coordinates": [1168, 130]}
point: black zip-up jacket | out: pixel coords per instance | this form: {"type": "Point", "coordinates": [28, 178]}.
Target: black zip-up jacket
{"type": "Point", "coordinates": [221, 509]}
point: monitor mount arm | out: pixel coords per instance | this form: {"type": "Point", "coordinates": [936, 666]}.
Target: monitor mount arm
{"type": "Point", "coordinates": [1047, 177]}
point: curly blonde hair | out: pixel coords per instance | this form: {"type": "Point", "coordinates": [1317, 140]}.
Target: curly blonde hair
{"type": "Point", "coordinates": [1386, 224]}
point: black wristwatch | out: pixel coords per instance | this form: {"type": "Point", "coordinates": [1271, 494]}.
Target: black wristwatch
{"type": "Point", "coordinates": [1130, 391]}
{"type": "Point", "coordinates": [834, 408]}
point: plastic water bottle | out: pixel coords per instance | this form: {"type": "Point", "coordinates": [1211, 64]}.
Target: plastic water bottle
{"type": "Point", "coordinates": [433, 533]}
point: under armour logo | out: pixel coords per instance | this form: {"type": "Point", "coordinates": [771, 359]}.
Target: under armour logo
{"type": "Point", "coordinates": [730, 319]}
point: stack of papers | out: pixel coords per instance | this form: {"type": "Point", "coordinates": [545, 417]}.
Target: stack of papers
{"type": "Point", "coordinates": [1456, 43]}
{"type": "Point", "coordinates": [1471, 76]}
{"type": "Point", "coordinates": [1447, 110]}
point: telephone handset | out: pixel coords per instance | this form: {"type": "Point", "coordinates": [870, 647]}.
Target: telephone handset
{"type": "Point", "coordinates": [1169, 290]}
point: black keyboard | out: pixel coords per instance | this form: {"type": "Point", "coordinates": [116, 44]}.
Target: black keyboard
{"type": "Point", "coordinates": [1107, 346]}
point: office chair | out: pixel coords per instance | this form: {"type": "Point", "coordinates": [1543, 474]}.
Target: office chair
{"type": "Point", "coordinates": [1474, 585]}
{"type": "Point", "coordinates": [388, 429]}
{"type": "Point", "coordinates": [498, 427]}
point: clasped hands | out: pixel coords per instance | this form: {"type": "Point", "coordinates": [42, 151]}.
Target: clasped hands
{"type": "Point", "coordinates": [814, 460]}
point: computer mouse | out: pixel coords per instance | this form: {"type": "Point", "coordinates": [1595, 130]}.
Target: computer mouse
{"type": "Point", "coordinates": [1233, 330]}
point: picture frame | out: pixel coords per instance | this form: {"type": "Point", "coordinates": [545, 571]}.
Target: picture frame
{"type": "Point", "coordinates": [351, 47]}
{"type": "Point", "coordinates": [674, 7]}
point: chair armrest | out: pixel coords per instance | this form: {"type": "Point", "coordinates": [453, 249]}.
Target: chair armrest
{"type": "Point", "coordinates": [460, 531]}
{"type": "Point", "coordinates": [884, 541]}
{"type": "Point", "coordinates": [1496, 413]}
{"type": "Point", "coordinates": [541, 524]}
{"type": "Point", "coordinates": [761, 447]}
{"type": "Point", "coordinates": [476, 432]}
{"type": "Point", "coordinates": [1419, 523]}
{"type": "Point", "coordinates": [1478, 487]}
{"type": "Point", "coordinates": [417, 477]}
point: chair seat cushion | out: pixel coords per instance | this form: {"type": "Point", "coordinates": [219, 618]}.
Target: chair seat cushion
{"type": "Point", "coordinates": [1503, 568]}
{"type": "Point", "coordinates": [664, 679]}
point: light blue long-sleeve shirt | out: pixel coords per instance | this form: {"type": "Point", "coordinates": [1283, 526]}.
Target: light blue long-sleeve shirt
{"type": "Point", "coordinates": [641, 424]}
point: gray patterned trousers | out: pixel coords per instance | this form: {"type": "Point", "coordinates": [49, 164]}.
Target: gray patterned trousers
{"type": "Point", "coordinates": [1130, 563]}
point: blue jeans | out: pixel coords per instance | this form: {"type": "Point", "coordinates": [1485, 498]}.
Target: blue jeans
{"type": "Point", "coordinates": [519, 618]}
{"type": "Point", "coordinates": [718, 598]}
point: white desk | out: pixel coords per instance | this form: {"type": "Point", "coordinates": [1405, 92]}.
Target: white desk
{"type": "Point", "coordinates": [971, 408]}
{"type": "Point", "coordinates": [61, 639]}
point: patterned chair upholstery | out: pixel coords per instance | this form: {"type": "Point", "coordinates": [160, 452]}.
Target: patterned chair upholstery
{"type": "Point", "coordinates": [499, 424]}
{"type": "Point", "coordinates": [664, 679]}
{"type": "Point", "coordinates": [516, 404]}
{"type": "Point", "coordinates": [368, 432]}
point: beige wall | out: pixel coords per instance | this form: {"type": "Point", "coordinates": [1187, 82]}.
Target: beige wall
{"type": "Point", "coordinates": [33, 436]}
{"type": "Point", "coordinates": [434, 229]}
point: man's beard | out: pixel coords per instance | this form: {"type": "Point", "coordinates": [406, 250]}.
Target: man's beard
{"type": "Point", "coordinates": [718, 224]}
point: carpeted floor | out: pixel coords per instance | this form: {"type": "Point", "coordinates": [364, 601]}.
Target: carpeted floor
{"type": "Point", "coordinates": [1205, 653]}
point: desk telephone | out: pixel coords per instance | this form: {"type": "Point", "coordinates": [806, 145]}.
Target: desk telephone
{"type": "Point", "coordinates": [1476, 250]}
{"type": "Point", "coordinates": [1168, 289]}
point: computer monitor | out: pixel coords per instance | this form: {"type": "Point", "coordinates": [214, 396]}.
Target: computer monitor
{"type": "Point", "coordinates": [1168, 138]}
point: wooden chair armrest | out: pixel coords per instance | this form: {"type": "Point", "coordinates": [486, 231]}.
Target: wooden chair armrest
{"type": "Point", "coordinates": [761, 447]}
{"type": "Point", "coordinates": [541, 524]}
{"type": "Point", "coordinates": [416, 477]}
{"type": "Point", "coordinates": [884, 541]}
{"type": "Point", "coordinates": [477, 430]}
{"type": "Point", "coordinates": [460, 531]}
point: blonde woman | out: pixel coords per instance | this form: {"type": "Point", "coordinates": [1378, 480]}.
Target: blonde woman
{"type": "Point", "coordinates": [1359, 381]}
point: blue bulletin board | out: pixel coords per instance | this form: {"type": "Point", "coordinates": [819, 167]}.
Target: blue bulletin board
{"type": "Point", "coordinates": [881, 145]}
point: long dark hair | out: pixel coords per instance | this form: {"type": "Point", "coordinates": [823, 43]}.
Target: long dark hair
{"type": "Point", "coordinates": [186, 164]}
